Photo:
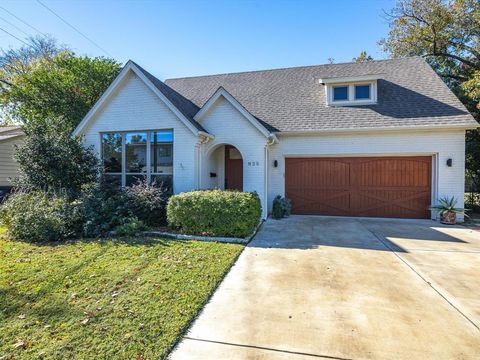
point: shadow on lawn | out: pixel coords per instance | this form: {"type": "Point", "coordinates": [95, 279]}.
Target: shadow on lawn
{"type": "Point", "coordinates": [129, 241]}
{"type": "Point", "coordinates": [15, 303]}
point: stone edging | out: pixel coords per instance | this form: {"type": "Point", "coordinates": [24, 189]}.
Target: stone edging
{"type": "Point", "coordinates": [204, 238]}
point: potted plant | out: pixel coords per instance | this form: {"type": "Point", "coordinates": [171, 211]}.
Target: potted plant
{"type": "Point", "coordinates": [448, 211]}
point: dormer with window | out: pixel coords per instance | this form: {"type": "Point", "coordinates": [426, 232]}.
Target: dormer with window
{"type": "Point", "coordinates": [361, 90]}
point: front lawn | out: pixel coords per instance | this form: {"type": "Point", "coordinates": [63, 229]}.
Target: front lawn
{"type": "Point", "coordinates": [104, 299]}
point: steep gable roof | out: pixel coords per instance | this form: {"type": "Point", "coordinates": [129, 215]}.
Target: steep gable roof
{"type": "Point", "coordinates": [410, 95]}
{"type": "Point", "coordinates": [182, 107]}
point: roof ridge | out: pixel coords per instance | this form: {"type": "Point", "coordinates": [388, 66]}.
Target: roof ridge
{"type": "Point", "coordinates": [288, 68]}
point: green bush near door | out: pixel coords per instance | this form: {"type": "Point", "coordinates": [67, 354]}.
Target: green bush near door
{"type": "Point", "coordinates": [215, 212]}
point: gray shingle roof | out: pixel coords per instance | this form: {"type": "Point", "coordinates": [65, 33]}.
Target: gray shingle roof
{"type": "Point", "coordinates": [409, 94]}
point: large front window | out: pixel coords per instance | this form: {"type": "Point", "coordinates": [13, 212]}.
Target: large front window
{"type": "Point", "coordinates": [132, 156]}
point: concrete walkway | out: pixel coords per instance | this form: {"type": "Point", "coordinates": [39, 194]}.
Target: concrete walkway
{"type": "Point", "coordinates": [343, 288]}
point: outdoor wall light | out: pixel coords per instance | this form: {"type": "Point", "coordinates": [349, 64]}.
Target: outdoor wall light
{"type": "Point", "coordinates": [275, 163]}
{"type": "Point", "coordinates": [449, 162]}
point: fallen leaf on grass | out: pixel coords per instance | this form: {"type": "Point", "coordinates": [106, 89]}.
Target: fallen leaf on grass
{"type": "Point", "coordinates": [21, 316]}
{"type": "Point", "coordinates": [19, 344]}
{"type": "Point", "coordinates": [85, 321]}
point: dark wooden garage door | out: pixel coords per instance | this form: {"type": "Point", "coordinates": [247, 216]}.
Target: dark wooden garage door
{"type": "Point", "coordinates": [367, 186]}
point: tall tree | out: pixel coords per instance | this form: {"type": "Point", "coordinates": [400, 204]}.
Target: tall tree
{"type": "Point", "coordinates": [447, 34]}
{"type": "Point", "coordinates": [362, 57]}
{"type": "Point", "coordinates": [18, 62]}
{"type": "Point", "coordinates": [44, 81]}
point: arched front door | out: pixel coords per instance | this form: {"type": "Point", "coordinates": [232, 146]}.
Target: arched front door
{"type": "Point", "coordinates": [233, 168]}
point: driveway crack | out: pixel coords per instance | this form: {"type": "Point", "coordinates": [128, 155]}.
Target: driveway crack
{"type": "Point", "coordinates": [389, 247]}
{"type": "Point", "coordinates": [268, 349]}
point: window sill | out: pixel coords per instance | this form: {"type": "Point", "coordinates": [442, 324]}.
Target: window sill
{"type": "Point", "coordinates": [351, 103]}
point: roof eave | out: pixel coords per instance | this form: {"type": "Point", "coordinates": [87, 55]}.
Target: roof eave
{"type": "Point", "coordinates": [379, 129]}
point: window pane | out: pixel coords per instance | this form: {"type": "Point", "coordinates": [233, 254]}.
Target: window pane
{"type": "Point", "coordinates": [161, 156]}
{"type": "Point", "coordinates": [340, 93]}
{"type": "Point", "coordinates": [362, 92]}
{"type": "Point", "coordinates": [112, 152]}
{"type": "Point", "coordinates": [162, 136]}
{"type": "Point", "coordinates": [163, 180]}
{"type": "Point", "coordinates": [136, 152]}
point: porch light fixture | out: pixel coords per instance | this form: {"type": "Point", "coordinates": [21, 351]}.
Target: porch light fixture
{"type": "Point", "coordinates": [275, 163]}
{"type": "Point", "coordinates": [449, 162]}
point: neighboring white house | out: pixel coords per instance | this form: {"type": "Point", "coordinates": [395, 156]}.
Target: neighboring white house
{"type": "Point", "coordinates": [9, 137]}
{"type": "Point", "coordinates": [381, 138]}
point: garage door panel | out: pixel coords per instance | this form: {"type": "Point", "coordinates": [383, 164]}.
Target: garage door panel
{"type": "Point", "coordinates": [368, 186]}
{"type": "Point", "coordinates": [314, 173]}
{"type": "Point", "coordinates": [393, 172]}
{"type": "Point", "coordinates": [308, 201]}
{"type": "Point", "coordinates": [396, 203]}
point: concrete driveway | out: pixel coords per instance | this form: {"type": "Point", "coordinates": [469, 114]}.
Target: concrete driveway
{"type": "Point", "coordinates": [341, 288]}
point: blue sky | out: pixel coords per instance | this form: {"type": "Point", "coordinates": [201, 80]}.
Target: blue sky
{"type": "Point", "coordinates": [187, 38]}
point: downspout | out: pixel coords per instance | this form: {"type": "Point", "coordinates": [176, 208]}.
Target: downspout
{"type": "Point", "coordinates": [270, 141]}
{"type": "Point", "coordinates": [203, 139]}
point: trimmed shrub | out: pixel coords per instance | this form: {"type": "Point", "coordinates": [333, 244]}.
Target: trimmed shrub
{"type": "Point", "coordinates": [39, 216]}
{"type": "Point", "coordinates": [215, 212]}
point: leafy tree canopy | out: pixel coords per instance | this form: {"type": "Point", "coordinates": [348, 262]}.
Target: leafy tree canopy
{"type": "Point", "coordinates": [447, 35]}
{"type": "Point", "coordinates": [45, 81]}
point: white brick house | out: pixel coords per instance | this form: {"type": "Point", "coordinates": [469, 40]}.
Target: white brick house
{"type": "Point", "coordinates": [383, 138]}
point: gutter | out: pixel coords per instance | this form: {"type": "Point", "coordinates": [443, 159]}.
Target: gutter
{"type": "Point", "coordinates": [378, 129]}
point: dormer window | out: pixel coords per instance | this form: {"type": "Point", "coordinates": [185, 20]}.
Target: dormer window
{"type": "Point", "coordinates": [361, 90]}
{"type": "Point", "coordinates": [340, 93]}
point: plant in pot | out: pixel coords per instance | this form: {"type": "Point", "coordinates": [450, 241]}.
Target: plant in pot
{"type": "Point", "coordinates": [448, 211]}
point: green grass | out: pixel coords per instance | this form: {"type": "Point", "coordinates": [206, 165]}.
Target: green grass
{"type": "Point", "coordinates": [104, 299]}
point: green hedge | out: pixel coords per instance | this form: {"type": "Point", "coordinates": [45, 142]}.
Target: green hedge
{"type": "Point", "coordinates": [215, 212]}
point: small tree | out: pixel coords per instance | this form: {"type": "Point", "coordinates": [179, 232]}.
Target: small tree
{"type": "Point", "coordinates": [47, 81]}
{"type": "Point", "coordinates": [363, 57]}
{"type": "Point", "coordinates": [54, 161]}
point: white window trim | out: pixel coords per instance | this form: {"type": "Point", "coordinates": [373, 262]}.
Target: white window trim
{"type": "Point", "coordinates": [148, 174]}
{"type": "Point", "coordinates": [351, 94]}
